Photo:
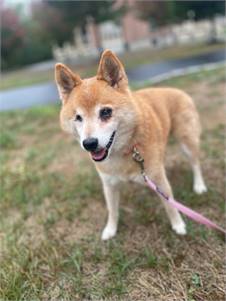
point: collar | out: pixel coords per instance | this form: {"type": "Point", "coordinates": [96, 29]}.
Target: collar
{"type": "Point", "coordinates": [130, 149]}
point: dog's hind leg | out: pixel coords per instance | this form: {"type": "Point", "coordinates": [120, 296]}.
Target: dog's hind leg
{"type": "Point", "coordinates": [187, 129]}
{"type": "Point", "coordinates": [177, 223]}
{"type": "Point", "coordinates": [191, 150]}
{"type": "Point", "coordinates": [112, 196]}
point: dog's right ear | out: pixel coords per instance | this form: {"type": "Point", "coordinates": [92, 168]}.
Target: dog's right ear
{"type": "Point", "coordinates": [66, 81]}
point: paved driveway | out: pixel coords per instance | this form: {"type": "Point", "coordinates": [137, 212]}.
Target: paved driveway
{"type": "Point", "coordinates": [47, 93]}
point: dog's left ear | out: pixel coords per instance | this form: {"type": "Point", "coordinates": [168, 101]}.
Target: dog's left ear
{"type": "Point", "coordinates": [111, 70]}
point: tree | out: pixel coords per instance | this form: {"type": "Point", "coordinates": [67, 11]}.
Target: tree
{"type": "Point", "coordinates": [13, 36]}
{"type": "Point", "coordinates": [50, 25]}
{"type": "Point", "coordinates": [76, 13]}
{"type": "Point", "coordinates": [29, 39]}
{"type": "Point", "coordinates": [201, 9]}
{"type": "Point", "coordinates": [26, 40]}
{"type": "Point", "coordinates": [166, 12]}
{"type": "Point", "coordinates": [157, 13]}
{"type": "Point", "coordinates": [160, 13]}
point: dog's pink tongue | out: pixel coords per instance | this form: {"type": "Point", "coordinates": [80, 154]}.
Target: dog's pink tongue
{"type": "Point", "coordinates": [98, 155]}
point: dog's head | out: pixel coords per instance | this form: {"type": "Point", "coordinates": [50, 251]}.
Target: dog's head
{"type": "Point", "coordinates": [98, 111]}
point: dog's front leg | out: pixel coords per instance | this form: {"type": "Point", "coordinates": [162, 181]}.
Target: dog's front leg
{"type": "Point", "coordinates": [175, 218]}
{"type": "Point", "coordinates": [112, 195]}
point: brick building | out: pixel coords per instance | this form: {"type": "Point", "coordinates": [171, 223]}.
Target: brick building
{"type": "Point", "coordinates": [131, 33]}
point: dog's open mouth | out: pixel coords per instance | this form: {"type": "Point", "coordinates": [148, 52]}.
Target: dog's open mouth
{"type": "Point", "coordinates": [102, 153]}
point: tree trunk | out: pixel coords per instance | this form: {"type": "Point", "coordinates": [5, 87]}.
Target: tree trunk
{"type": "Point", "coordinates": [97, 37]}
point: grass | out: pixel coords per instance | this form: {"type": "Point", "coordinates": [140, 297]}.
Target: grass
{"type": "Point", "coordinates": [26, 77]}
{"type": "Point", "coordinates": [52, 212]}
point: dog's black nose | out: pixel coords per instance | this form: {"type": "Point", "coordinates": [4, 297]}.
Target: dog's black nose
{"type": "Point", "coordinates": [90, 144]}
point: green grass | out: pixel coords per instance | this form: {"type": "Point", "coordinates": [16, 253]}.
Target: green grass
{"type": "Point", "coordinates": [25, 77]}
{"type": "Point", "coordinates": [52, 212]}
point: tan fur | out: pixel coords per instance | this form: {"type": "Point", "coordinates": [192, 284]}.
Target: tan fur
{"type": "Point", "coordinates": [146, 118]}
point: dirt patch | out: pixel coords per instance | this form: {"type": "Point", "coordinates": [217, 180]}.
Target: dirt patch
{"type": "Point", "coordinates": [89, 222]}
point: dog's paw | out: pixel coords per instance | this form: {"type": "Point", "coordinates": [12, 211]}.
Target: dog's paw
{"type": "Point", "coordinates": [180, 228]}
{"type": "Point", "coordinates": [200, 188]}
{"type": "Point", "coordinates": [108, 232]}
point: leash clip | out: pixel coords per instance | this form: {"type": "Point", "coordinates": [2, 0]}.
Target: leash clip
{"type": "Point", "coordinates": [139, 159]}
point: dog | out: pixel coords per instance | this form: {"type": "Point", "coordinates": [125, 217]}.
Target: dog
{"type": "Point", "coordinates": [109, 120]}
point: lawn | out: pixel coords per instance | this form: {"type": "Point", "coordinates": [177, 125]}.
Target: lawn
{"type": "Point", "coordinates": [26, 77]}
{"type": "Point", "coordinates": [52, 212]}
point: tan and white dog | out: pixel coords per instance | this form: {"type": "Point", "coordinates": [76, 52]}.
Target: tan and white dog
{"type": "Point", "coordinates": [109, 119]}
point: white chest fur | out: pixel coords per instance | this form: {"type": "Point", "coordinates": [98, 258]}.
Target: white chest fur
{"type": "Point", "coordinates": [114, 179]}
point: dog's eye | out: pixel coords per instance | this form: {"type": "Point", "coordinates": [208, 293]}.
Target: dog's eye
{"type": "Point", "coordinates": [105, 113]}
{"type": "Point", "coordinates": [78, 118]}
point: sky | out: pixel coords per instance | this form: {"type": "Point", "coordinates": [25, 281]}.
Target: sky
{"type": "Point", "coordinates": [13, 2]}
{"type": "Point", "coordinates": [24, 3]}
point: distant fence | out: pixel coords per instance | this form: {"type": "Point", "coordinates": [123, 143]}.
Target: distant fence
{"type": "Point", "coordinates": [111, 36]}
{"type": "Point", "coordinates": [192, 32]}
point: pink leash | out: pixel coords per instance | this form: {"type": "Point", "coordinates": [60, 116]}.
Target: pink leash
{"type": "Point", "coordinates": [185, 210]}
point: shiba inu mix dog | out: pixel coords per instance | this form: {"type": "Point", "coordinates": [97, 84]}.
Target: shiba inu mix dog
{"type": "Point", "coordinates": [109, 119]}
